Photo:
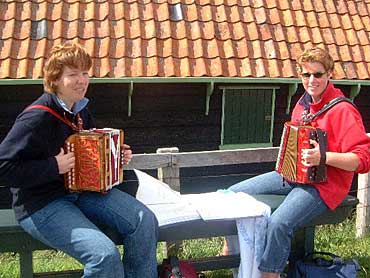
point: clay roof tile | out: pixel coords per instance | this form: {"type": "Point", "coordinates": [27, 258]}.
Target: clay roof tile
{"type": "Point", "coordinates": [132, 38]}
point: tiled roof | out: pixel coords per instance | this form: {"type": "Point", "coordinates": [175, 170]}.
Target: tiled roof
{"type": "Point", "coordinates": [215, 38]}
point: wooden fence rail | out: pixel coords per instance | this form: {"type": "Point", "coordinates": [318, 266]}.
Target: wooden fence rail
{"type": "Point", "coordinates": [167, 157]}
{"type": "Point", "coordinates": [168, 161]}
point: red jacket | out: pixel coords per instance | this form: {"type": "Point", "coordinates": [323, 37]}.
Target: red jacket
{"type": "Point", "coordinates": [345, 133]}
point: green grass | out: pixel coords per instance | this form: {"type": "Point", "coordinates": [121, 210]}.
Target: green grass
{"type": "Point", "coordinates": [339, 239]}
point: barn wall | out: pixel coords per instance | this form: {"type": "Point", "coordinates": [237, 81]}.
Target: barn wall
{"type": "Point", "coordinates": [13, 99]}
{"type": "Point", "coordinates": [166, 115]}
{"type": "Point", "coordinates": [162, 115]}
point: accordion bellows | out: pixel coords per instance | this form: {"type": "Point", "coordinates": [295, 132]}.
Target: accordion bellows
{"type": "Point", "coordinates": [289, 162]}
{"type": "Point", "coordinates": [99, 160]}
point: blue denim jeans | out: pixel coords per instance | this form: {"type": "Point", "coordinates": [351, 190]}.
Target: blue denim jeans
{"type": "Point", "coordinates": [301, 205]}
{"type": "Point", "coordinates": [71, 224]}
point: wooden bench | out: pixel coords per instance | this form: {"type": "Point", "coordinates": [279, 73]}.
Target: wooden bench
{"type": "Point", "coordinates": [14, 239]}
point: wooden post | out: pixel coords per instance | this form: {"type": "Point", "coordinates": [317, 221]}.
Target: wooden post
{"type": "Point", "coordinates": [25, 258]}
{"type": "Point", "coordinates": [171, 176]}
{"type": "Point", "coordinates": [171, 173]}
{"type": "Point", "coordinates": [362, 210]}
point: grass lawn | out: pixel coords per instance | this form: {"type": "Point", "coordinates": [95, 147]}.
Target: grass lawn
{"type": "Point", "coordinates": [339, 239]}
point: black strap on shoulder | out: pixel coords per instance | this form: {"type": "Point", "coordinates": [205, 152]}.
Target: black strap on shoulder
{"type": "Point", "coordinates": [327, 106]}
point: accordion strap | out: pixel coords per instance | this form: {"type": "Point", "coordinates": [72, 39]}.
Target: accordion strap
{"type": "Point", "coordinates": [326, 107]}
{"type": "Point", "coordinates": [64, 119]}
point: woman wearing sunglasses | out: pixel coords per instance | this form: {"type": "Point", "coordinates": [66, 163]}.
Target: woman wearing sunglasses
{"type": "Point", "coordinates": [347, 152]}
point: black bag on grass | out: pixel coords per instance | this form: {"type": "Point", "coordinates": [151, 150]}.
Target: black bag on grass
{"type": "Point", "coordinates": [324, 265]}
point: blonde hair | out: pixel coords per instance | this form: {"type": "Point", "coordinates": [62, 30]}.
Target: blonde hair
{"type": "Point", "coordinates": [318, 55]}
{"type": "Point", "coordinates": [70, 55]}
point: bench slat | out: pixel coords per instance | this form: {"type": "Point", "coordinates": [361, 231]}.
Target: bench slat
{"type": "Point", "coordinates": [14, 239]}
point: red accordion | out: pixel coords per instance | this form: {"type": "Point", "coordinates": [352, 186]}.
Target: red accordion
{"type": "Point", "coordinates": [99, 160]}
{"type": "Point", "coordinates": [289, 161]}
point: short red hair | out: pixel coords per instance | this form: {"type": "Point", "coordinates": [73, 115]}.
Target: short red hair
{"type": "Point", "coordinates": [70, 55]}
{"type": "Point", "coordinates": [318, 55]}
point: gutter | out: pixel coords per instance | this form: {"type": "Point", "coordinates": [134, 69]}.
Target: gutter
{"type": "Point", "coordinates": [230, 80]}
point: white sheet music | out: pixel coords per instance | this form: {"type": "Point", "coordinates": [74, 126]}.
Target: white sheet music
{"type": "Point", "coordinates": [226, 205]}
{"type": "Point", "coordinates": [166, 203]}
{"type": "Point", "coordinates": [152, 191]}
{"type": "Point", "coordinates": [171, 207]}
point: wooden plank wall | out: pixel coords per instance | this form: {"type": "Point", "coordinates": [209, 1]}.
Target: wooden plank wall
{"type": "Point", "coordinates": [13, 99]}
{"type": "Point", "coordinates": [164, 115]}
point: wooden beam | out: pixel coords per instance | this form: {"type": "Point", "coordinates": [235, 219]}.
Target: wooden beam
{"type": "Point", "coordinates": [129, 97]}
{"type": "Point", "coordinates": [355, 90]}
{"type": "Point", "coordinates": [203, 158]}
{"type": "Point", "coordinates": [362, 210]}
{"type": "Point", "coordinates": [225, 157]}
{"type": "Point", "coordinates": [292, 90]}
{"type": "Point", "coordinates": [170, 174]}
{"type": "Point", "coordinates": [210, 89]}
{"type": "Point", "coordinates": [149, 161]}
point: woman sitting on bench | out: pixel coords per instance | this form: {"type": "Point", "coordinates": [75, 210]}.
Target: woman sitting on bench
{"type": "Point", "coordinates": [32, 163]}
{"type": "Point", "coordinates": [347, 152]}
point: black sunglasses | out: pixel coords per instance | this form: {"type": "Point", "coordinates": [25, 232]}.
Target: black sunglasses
{"type": "Point", "coordinates": [315, 74]}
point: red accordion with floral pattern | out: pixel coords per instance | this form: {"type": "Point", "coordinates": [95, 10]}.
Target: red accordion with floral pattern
{"type": "Point", "coordinates": [99, 160]}
{"type": "Point", "coordinates": [289, 162]}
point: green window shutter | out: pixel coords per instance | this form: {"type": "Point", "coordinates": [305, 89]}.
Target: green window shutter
{"type": "Point", "coordinates": [247, 117]}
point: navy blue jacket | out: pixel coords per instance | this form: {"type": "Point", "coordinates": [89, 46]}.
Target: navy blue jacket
{"type": "Point", "coordinates": [27, 156]}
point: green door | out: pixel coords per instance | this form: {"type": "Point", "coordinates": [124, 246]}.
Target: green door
{"type": "Point", "coordinates": [247, 118]}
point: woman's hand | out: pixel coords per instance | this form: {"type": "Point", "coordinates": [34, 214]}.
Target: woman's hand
{"type": "Point", "coordinates": [127, 154]}
{"type": "Point", "coordinates": [311, 157]}
{"type": "Point", "coordinates": [65, 161]}
{"type": "Point", "coordinates": [345, 161]}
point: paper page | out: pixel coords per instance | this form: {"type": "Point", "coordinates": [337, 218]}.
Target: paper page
{"type": "Point", "coordinates": [166, 203]}
{"type": "Point", "coordinates": [153, 191]}
{"type": "Point", "coordinates": [170, 207]}
{"type": "Point", "coordinates": [170, 214]}
{"type": "Point", "coordinates": [218, 205]}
